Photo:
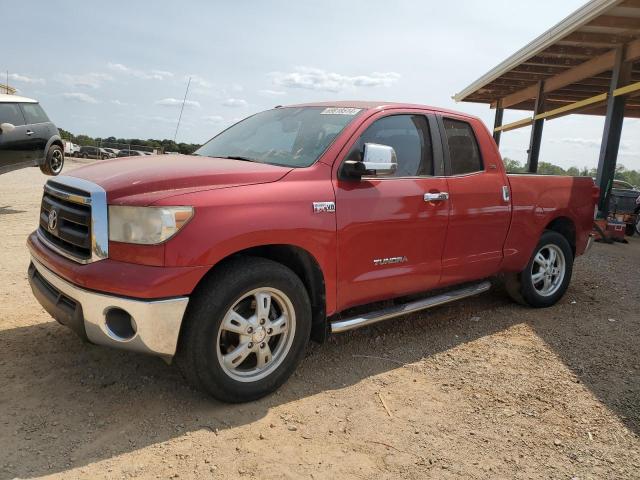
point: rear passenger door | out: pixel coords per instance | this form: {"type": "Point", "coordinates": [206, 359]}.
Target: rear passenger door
{"type": "Point", "coordinates": [480, 212]}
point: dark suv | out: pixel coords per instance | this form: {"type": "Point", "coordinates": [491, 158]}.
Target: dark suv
{"type": "Point", "coordinates": [95, 152]}
{"type": "Point", "coordinates": [28, 137]}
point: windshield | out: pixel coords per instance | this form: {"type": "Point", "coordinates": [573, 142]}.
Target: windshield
{"type": "Point", "coordinates": [294, 137]}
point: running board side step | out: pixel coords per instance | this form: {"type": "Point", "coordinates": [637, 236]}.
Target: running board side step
{"type": "Point", "coordinates": [352, 323]}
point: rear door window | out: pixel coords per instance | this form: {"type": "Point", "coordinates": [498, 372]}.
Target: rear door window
{"type": "Point", "coordinates": [10, 113]}
{"type": "Point", "coordinates": [33, 113]}
{"type": "Point", "coordinates": [464, 154]}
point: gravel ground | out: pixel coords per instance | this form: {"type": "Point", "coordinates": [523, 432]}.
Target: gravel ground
{"type": "Point", "coordinates": [480, 389]}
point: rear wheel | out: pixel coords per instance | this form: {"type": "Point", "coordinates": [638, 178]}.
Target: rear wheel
{"type": "Point", "coordinates": [547, 275]}
{"type": "Point", "coordinates": [53, 162]}
{"type": "Point", "coordinates": [245, 331]}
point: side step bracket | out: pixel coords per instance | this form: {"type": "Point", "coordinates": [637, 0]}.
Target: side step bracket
{"type": "Point", "coordinates": [370, 318]}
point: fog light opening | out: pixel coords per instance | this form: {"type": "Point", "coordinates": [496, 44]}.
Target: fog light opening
{"type": "Point", "coordinates": [120, 324]}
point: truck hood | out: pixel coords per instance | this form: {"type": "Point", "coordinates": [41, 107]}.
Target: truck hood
{"type": "Point", "coordinates": [145, 180]}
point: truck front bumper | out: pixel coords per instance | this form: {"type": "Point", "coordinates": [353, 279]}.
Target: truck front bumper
{"type": "Point", "coordinates": [146, 326]}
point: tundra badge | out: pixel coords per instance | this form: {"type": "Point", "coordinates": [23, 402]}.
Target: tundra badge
{"type": "Point", "coordinates": [388, 261]}
{"type": "Point", "coordinates": [320, 207]}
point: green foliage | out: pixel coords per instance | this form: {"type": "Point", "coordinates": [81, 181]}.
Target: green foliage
{"type": "Point", "coordinates": [544, 168]}
{"type": "Point", "coordinates": [512, 166]}
{"type": "Point", "coordinates": [163, 145]}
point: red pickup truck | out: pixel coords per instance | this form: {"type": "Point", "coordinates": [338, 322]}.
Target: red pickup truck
{"type": "Point", "coordinates": [231, 259]}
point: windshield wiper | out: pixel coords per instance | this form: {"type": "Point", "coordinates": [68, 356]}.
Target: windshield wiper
{"type": "Point", "coordinates": [240, 157]}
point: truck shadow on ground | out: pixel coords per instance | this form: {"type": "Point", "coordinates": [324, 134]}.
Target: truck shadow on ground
{"type": "Point", "coordinates": [104, 403]}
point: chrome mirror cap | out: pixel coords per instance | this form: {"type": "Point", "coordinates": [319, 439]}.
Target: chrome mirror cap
{"type": "Point", "coordinates": [380, 160]}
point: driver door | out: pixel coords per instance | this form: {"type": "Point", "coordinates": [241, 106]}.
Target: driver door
{"type": "Point", "coordinates": [390, 236]}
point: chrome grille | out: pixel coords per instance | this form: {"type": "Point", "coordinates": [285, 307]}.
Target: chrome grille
{"type": "Point", "coordinates": [73, 219]}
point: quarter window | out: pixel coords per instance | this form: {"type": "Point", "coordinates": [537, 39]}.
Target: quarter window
{"type": "Point", "coordinates": [33, 113]}
{"type": "Point", "coordinates": [410, 138]}
{"type": "Point", "coordinates": [464, 154]}
{"type": "Point", "coordinates": [10, 113]}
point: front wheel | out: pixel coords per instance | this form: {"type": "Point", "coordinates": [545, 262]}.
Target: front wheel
{"type": "Point", "coordinates": [547, 275]}
{"type": "Point", "coordinates": [53, 162]}
{"type": "Point", "coordinates": [245, 331]}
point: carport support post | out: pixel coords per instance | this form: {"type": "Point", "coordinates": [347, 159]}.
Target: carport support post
{"type": "Point", "coordinates": [620, 76]}
{"type": "Point", "coordinates": [498, 122]}
{"type": "Point", "coordinates": [536, 132]}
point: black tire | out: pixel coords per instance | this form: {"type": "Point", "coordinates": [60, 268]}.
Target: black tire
{"type": "Point", "coordinates": [84, 155]}
{"type": "Point", "coordinates": [521, 287]}
{"type": "Point", "coordinates": [53, 162]}
{"type": "Point", "coordinates": [198, 357]}
{"type": "Point", "coordinates": [630, 229]}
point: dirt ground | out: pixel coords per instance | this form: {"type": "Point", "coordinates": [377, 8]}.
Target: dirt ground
{"type": "Point", "coordinates": [479, 389]}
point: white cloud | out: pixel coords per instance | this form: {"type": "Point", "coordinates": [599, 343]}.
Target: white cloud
{"type": "Point", "coordinates": [213, 119]}
{"type": "Point", "coordinates": [89, 80]}
{"type": "Point", "coordinates": [176, 102]}
{"type": "Point", "coordinates": [318, 79]}
{"type": "Point", "coordinates": [588, 143]}
{"type": "Point", "coordinates": [234, 102]}
{"type": "Point", "coordinates": [151, 75]}
{"type": "Point", "coordinates": [17, 77]}
{"type": "Point", "coordinates": [80, 97]}
{"type": "Point", "coordinates": [200, 81]}
{"type": "Point", "coordinates": [272, 93]}
{"type": "Point", "coordinates": [119, 103]}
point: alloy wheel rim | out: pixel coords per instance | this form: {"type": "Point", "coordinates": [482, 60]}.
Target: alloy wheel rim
{"type": "Point", "coordinates": [56, 161]}
{"type": "Point", "coordinates": [256, 334]}
{"type": "Point", "coordinates": [548, 270]}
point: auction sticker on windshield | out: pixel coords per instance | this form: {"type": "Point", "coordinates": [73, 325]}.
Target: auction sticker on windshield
{"type": "Point", "coordinates": [339, 111]}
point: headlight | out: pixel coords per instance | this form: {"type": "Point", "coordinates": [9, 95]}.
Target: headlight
{"type": "Point", "coordinates": [146, 225]}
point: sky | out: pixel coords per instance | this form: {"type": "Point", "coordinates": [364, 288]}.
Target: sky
{"type": "Point", "coordinates": [121, 68]}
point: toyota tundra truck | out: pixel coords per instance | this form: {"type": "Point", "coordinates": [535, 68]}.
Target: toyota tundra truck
{"type": "Point", "coordinates": [230, 260]}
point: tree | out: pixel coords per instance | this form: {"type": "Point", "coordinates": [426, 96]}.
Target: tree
{"type": "Point", "coordinates": [512, 166]}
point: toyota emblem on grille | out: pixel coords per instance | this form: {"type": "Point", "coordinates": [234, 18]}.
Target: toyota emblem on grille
{"type": "Point", "coordinates": [53, 220]}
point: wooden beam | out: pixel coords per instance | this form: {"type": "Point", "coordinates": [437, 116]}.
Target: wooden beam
{"type": "Point", "coordinates": [634, 87]}
{"type": "Point", "coordinates": [573, 51]}
{"type": "Point", "coordinates": [625, 23]}
{"type": "Point", "coordinates": [589, 38]}
{"type": "Point", "coordinates": [525, 122]}
{"type": "Point", "coordinates": [584, 70]}
{"type": "Point", "coordinates": [557, 112]}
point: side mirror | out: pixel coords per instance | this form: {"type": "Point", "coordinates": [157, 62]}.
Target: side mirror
{"type": "Point", "coordinates": [7, 127]}
{"type": "Point", "coordinates": [377, 160]}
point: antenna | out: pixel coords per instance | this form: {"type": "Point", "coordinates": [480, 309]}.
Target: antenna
{"type": "Point", "coordinates": [181, 110]}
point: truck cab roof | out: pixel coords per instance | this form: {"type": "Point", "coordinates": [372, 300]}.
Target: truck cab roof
{"type": "Point", "coordinates": [378, 105]}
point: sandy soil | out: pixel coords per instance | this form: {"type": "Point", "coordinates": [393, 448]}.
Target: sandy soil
{"type": "Point", "coordinates": [480, 389]}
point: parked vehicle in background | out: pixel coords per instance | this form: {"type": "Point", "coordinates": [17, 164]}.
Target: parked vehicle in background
{"type": "Point", "coordinates": [622, 204]}
{"type": "Point", "coordinates": [231, 259]}
{"type": "Point", "coordinates": [115, 151]}
{"type": "Point", "coordinates": [130, 153]}
{"type": "Point", "coordinates": [70, 148]}
{"type": "Point", "coordinates": [28, 137]}
{"type": "Point", "coordinates": [95, 152]}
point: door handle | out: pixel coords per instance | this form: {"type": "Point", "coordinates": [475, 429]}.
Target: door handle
{"type": "Point", "coordinates": [436, 197]}
{"type": "Point", "coordinates": [29, 132]}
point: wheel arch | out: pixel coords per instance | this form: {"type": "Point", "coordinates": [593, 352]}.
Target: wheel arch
{"type": "Point", "coordinates": [303, 264]}
{"type": "Point", "coordinates": [54, 140]}
{"type": "Point", "coordinates": [565, 227]}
